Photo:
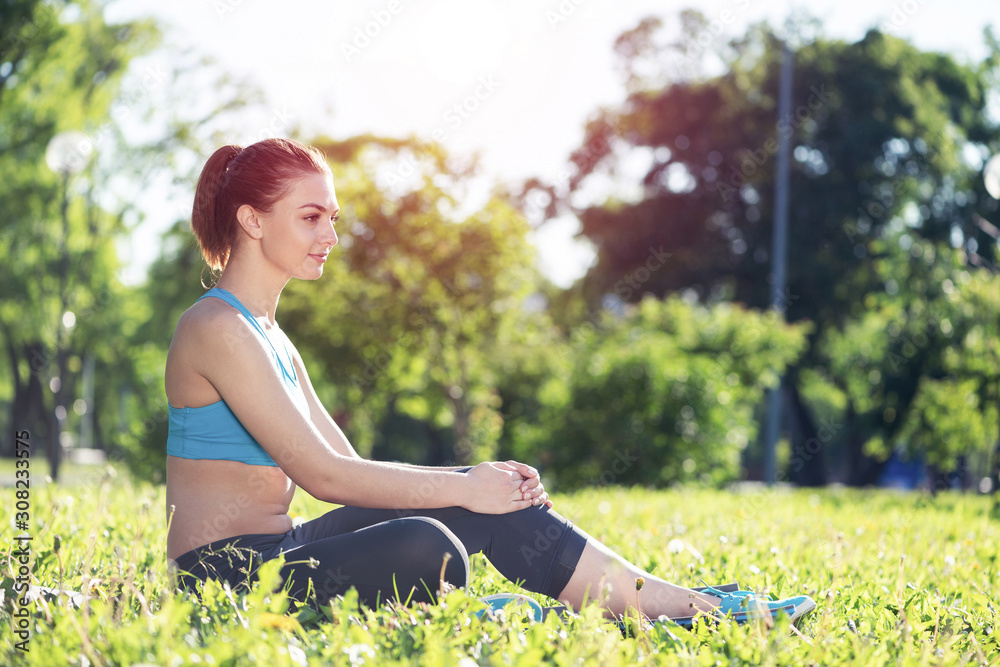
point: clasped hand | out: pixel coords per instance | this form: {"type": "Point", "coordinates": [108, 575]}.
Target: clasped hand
{"type": "Point", "coordinates": [499, 487]}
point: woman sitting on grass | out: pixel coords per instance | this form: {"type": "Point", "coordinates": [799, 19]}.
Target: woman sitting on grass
{"type": "Point", "coordinates": [246, 429]}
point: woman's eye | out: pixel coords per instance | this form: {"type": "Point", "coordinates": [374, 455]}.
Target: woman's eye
{"type": "Point", "coordinates": [312, 218]}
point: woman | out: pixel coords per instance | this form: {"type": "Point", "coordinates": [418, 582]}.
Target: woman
{"type": "Point", "coordinates": [246, 429]}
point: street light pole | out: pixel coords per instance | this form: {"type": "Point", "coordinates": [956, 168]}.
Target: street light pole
{"type": "Point", "coordinates": [779, 256]}
{"type": "Point", "coordinates": [66, 154]}
{"type": "Point", "coordinates": [991, 179]}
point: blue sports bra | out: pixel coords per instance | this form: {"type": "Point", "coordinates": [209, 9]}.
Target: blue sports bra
{"type": "Point", "coordinates": [213, 431]}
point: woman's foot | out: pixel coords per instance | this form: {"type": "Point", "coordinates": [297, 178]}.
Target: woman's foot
{"type": "Point", "coordinates": [744, 606]}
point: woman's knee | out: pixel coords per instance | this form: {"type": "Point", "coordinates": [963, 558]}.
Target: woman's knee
{"type": "Point", "coordinates": [431, 544]}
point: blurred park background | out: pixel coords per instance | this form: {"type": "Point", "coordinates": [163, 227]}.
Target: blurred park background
{"type": "Point", "coordinates": [604, 308]}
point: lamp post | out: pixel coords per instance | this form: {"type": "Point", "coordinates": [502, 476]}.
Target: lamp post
{"type": "Point", "coordinates": [991, 179]}
{"type": "Point", "coordinates": [991, 176]}
{"type": "Point", "coordinates": [779, 260]}
{"type": "Point", "coordinates": [67, 154]}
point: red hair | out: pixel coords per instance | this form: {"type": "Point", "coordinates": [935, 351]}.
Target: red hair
{"type": "Point", "coordinates": [258, 175]}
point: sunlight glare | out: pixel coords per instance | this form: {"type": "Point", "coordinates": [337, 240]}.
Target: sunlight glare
{"type": "Point", "coordinates": [460, 41]}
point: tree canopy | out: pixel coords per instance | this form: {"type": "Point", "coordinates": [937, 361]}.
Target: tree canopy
{"type": "Point", "coordinates": [885, 138]}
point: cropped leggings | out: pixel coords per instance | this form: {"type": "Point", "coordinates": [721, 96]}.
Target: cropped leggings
{"type": "Point", "coordinates": [384, 553]}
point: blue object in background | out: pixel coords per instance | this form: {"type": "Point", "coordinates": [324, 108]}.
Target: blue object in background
{"type": "Point", "coordinates": [903, 474]}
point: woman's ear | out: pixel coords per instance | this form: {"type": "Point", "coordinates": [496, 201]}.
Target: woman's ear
{"type": "Point", "coordinates": [247, 217]}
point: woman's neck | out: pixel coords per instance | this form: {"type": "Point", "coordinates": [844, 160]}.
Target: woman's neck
{"type": "Point", "coordinates": [256, 292]}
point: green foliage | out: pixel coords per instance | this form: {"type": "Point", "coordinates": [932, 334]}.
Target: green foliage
{"type": "Point", "coordinates": [899, 579]}
{"type": "Point", "coordinates": [57, 251]}
{"type": "Point", "coordinates": [887, 143]}
{"type": "Point", "coordinates": [665, 394]}
{"type": "Point", "coordinates": [59, 234]}
{"type": "Point", "coordinates": [921, 365]}
{"type": "Point", "coordinates": [420, 300]}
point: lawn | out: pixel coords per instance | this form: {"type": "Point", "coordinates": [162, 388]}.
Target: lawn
{"type": "Point", "coordinates": [899, 579]}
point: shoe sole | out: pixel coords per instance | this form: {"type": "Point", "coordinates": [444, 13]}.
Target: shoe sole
{"type": "Point", "coordinates": [500, 601]}
{"type": "Point", "coordinates": [794, 613]}
{"type": "Point", "coordinates": [801, 610]}
{"type": "Point", "coordinates": [562, 611]}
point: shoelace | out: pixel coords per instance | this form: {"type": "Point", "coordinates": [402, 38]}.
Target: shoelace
{"type": "Point", "coordinates": [744, 599]}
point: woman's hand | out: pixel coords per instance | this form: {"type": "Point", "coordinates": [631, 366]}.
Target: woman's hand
{"type": "Point", "coordinates": [495, 489]}
{"type": "Point", "coordinates": [531, 484]}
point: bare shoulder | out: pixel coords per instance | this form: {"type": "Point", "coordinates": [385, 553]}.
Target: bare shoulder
{"type": "Point", "coordinates": [206, 323]}
{"type": "Point", "coordinates": [209, 335]}
{"type": "Point", "coordinates": [192, 351]}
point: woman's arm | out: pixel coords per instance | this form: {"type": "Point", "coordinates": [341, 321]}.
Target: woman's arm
{"type": "Point", "coordinates": [531, 486]}
{"type": "Point", "coordinates": [242, 370]}
{"type": "Point", "coordinates": [318, 415]}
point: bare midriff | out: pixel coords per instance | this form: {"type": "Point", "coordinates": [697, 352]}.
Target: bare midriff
{"type": "Point", "coordinates": [215, 500]}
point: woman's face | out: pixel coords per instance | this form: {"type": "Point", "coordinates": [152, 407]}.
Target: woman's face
{"type": "Point", "coordinates": [299, 232]}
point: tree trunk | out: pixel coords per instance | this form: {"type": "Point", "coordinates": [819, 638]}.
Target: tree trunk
{"type": "Point", "coordinates": [32, 400]}
{"type": "Point", "coordinates": [807, 465]}
{"type": "Point", "coordinates": [463, 447]}
{"type": "Point", "coordinates": [17, 406]}
{"type": "Point", "coordinates": [862, 470]}
{"type": "Point", "coordinates": [995, 487]}
{"type": "Point", "coordinates": [438, 455]}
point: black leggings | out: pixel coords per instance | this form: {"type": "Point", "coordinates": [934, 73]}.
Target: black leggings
{"type": "Point", "coordinates": [383, 553]}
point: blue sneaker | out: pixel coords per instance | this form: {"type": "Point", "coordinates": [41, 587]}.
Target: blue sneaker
{"type": "Point", "coordinates": [744, 606]}
{"type": "Point", "coordinates": [501, 601]}
{"type": "Point", "coordinates": [728, 589]}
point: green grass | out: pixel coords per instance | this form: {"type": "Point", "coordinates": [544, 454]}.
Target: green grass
{"type": "Point", "coordinates": [899, 579]}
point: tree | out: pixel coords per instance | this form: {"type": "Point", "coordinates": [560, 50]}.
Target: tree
{"type": "Point", "coordinates": [881, 133]}
{"type": "Point", "coordinates": [65, 314]}
{"type": "Point", "coordinates": [54, 277]}
{"type": "Point", "coordinates": [664, 393]}
{"type": "Point", "coordinates": [423, 300]}
{"type": "Point", "coordinates": [920, 369]}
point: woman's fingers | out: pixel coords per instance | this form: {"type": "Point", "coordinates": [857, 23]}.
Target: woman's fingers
{"type": "Point", "coordinates": [525, 470]}
{"type": "Point", "coordinates": [503, 465]}
{"type": "Point", "coordinates": [520, 484]}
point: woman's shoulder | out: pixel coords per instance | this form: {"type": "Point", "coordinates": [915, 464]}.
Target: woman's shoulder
{"type": "Point", "coordinates": [205, 322]}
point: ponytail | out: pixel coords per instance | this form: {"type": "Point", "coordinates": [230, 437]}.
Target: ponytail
{"type": "Point", "coordinates": [258, 175]}
{"type": "Point", "coordinates": [209, 224]}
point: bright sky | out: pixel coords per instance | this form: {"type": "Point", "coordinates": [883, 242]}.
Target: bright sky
{"type": "Point", "coordinates": [527, 72]}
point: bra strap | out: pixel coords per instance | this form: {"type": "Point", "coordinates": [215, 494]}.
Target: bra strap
{"type": "Point", "coordinates": [231, 299]}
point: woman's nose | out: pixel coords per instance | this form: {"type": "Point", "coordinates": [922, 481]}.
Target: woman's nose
{"type": "Point", "coordinates": [330, 235]}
